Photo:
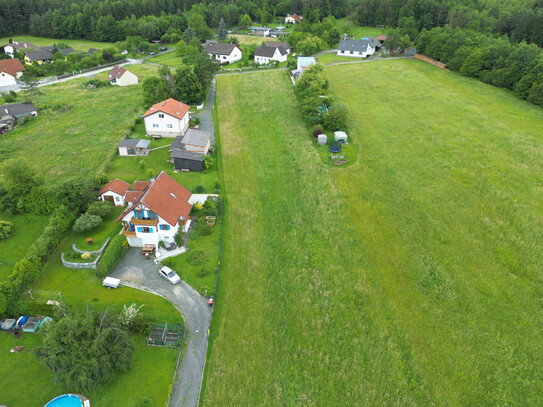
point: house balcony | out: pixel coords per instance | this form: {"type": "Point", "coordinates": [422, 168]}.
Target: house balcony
{"type": "Point", "coordinates": [144, 222]}
{"type": "Point", "coordinates": [183, 222]}
{"type": "Point", "coordinates": [129, 231]}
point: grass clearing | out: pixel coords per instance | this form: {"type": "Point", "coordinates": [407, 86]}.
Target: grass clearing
{"type": "Point", "coordinates": [250, 39]}
{"type": "Point", "coordinates": [26, 229]}
{"type": "Point", "coordinates": [345, 25]}
{"type": "Point", "coordinates": [77, 45]}
{"type": "Point", "coordinates": [126, 390]}
{"type": "Point", "coordinates": [169, 59]}
{"type": "Point", "coordinates": [333, 58]}
{"type": "Point", "coordinates": [408, 278]}
{"type": "Point", "coordinates": [82, 140]}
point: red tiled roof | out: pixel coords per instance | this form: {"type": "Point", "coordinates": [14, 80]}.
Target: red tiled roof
{"type": "Point", "coordinates": [165, 197]}
{"type": "Point", "coordinates": [296, 17]}
{"type": "Point", "coordinates": [381, 37]}
{"type": "Point", "coordinates": [117, 186]}
{"type": "Point", "coordinates": [140, 185]}
{"type": "Point", "coordinates": [11, 66]}
{"type": "Point", "coordinates": [132, 196]}
{"type": "Point", "coordinates": [116, 72]}
{"type": "Point", "coordinates": [171, 106]}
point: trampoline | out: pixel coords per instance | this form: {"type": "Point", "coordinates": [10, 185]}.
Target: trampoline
{"type": "Point", "coordinates": [334, 149]}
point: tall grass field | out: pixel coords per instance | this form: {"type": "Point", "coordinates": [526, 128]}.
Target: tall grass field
{"type": "Point", "coordinates": [411, 277]}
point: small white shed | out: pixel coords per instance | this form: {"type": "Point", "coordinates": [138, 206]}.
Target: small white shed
{"type": "Point", "coordinates": [322, 139]}
{"type": "Point", "coordinates": [340, 135]}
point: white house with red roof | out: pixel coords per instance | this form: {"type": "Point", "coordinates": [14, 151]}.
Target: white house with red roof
{"type": "Point", "coordinates": [121, 76]}
{"type": "Point", "coordinates": [169, 118]}
{"type": "Point", "coordinates": [159, 211]}
{"type": "Point", "coordinates": [293, 19]}
{"type": "Point", "coordinates": [114, 192]}
{"type": "Point", "coordinates": [10, 71]}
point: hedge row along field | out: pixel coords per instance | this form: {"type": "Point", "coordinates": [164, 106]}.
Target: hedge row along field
{"type": "Point", "coordinates": [411, 277]}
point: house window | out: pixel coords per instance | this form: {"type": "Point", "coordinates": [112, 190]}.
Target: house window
{"type": "Point", "coordinates": [117, 198]}
{"type": "Point", "coordinates": [170, 126]}
{"type": "Point", "coordinates": [161, 115]}
{"type": "Point", "coordinates": [145, 229]}
{"type": "Point", "coordinates": [164, 227]}
{"type": "Point", "coordinates": [155, 125]}
{"type": "Point", "coordinates": [352, 52]}
{"type": "Point", "coordinates": [223, 57]}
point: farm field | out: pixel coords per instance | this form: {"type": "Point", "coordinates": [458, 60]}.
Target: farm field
{"type": "Point", "coordinates": [411, 277]}
{"type": "Point", "coordinates": [78, 45]}
{"type": "Point", "coordinates": [81, 140]}
{"type": "Point", "coordinates": [251, 39]}
{"type": "Point", "coordinates": [26, 229]}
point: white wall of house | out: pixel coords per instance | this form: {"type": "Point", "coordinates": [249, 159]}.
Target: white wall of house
{"type": "Point", "coordinates": [127, 79]}
{"type": "Point", "coordinates": [7, 80]}
{"type": "Point", "coordinates": [9, 50]}
{"type": "Point", "coordinates": [124, 152]}
{"type": "Point", "coordinates": [290, 20]}
{"type": "Point", "coordinates": [152, 234]}
{"type": "Point", "coordinates": [164, 125]}
{"type": "Point", "coordinates": [234, 56]}
{"type": "Point", "coordinates": [369, 51]}
{"type": "Point", "coordinates": [117, 199]}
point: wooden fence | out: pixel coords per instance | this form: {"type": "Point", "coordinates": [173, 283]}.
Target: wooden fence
{"type": "Point", "coordinates": [432, 61]}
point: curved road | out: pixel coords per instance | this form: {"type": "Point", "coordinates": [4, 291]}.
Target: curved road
{"type": "Point", "coordinates": [136, 272]}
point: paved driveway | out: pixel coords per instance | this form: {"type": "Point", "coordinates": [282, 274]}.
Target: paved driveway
{"type": "Point", "coordinates": [137, 272]}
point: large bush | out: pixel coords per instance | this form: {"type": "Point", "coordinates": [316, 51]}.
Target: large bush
{"type": "Point", "coordinates": [100, 208]}
{"type": "Point", "coordinates": [86, 222]}
{"type": "Point", "coordinates": [117, 248]}
{"type": "Point", "coordinates": [5, 229]}
{"type": "Point", "coordinates": [335, 118]}
{"type": "Point", "coordinates": [84, 350]}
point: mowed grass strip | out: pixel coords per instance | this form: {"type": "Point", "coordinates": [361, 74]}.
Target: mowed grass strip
{"type": "Point", "coordinates": [446, 198]}
{"type": "Point", "coordinates": [296, 320]}
{"type": "Point", "coordinates": [77, 45]}
{"type": "Point", "coordinates": [82, 140]}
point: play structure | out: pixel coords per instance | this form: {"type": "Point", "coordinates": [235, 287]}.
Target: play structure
{"type": "Point", "coordinates": [166, 335]}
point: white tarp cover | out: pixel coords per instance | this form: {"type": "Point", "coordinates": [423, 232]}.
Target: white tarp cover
{"type": "Point", "coordinates": [340, 135]}
{"type": "Point", "coordinates": [111, 282]}
{"type": "Point", "coordinates": [322, 139]}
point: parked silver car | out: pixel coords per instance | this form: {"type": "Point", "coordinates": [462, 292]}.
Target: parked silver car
{"type": "Point", "coordinates": [169, 274]}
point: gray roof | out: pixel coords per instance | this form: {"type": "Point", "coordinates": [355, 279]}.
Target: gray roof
{"type": "Point", "coordinates": [373, 42]}
{"type": "Point", "coordinates": [17, 110]}
{"type": "Point", "coordinates": [177, 144]}
{"type": "Point", "coordinates": [135, 142]}
{"type": "Point", "coordinates": [198, 138]}
{"type": "Point", "coordinates": [38, 55]}
{"type": "Point", "coordinates": [213, 47]}
{"type": "Point", "coordinates": [186, 155]}
{"type": "Point", "coordinates": [267, 52]}
{"type": "Point", "coordinates": [352, 45]}
{"type": "Point", "coordinates": [260, 28]}
{"type": "Point", "coordinates": [277, 44]}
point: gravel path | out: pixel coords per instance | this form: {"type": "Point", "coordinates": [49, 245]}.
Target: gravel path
{"type": "Point", "coordinates": [136, 272]}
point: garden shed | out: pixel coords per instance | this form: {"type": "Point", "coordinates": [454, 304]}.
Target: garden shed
{"type": "Point", "coordinates": [322, 139]}
{"type": "Point", "coordinates": [340, 135]}
{"type": "Point", "coordinates": [134, 147]}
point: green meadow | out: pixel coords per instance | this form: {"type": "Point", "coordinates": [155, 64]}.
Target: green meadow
{"type": "Point", "coordinates": [411, 276]}
{"type": "Point", "coordinates": [77, 45]}
{"type": "Point", "coordinates": [78, 131]}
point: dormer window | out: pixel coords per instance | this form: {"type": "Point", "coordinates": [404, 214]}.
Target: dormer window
{"type": "Point", "coordinates": [161, 115]}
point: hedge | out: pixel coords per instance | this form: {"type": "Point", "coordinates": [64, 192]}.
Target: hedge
{"type": "Point", "coordinates": [117, 248]}
{"type": "Point", "coordinates": [27, 270]}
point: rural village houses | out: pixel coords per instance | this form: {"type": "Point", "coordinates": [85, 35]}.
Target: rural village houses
{"type": "Point", "coordinates": [264, 54]}
{"type": "Point", "coordinates": [223, 53]}
{"type": "Point", "coordinates": [293, 19]}
{"type": "Point", "coordinates": [121, 76]}
{"type": "Point", "coordinates": [169, 118]}
{"type": "Point", "coordinates": [364, 48]}
{"type": "Point", "coordinates": [10, 71]}
{"type": "Point", "coordinates": [188, 151]}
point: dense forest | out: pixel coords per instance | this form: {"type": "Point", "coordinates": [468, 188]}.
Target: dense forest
{"type": "Point", "coordinates": [115, 20]}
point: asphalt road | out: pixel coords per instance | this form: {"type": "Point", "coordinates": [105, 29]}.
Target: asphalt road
{"type": "Point", "coordinates": [136, 272]}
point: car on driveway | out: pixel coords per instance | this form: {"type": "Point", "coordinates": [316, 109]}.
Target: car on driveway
{"type": "Point", "coordinates": [169, 274]}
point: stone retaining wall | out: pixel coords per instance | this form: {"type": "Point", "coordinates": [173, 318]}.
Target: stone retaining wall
{"type": "Point", "coordinates": [80, 266]}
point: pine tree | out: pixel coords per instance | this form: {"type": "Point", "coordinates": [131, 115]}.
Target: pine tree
{"type": "Point", "coordinates": [188, 35]}
{"type": "Point", "coordinates": [221, 32]}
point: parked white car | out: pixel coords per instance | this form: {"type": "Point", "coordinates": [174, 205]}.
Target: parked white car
{"type": "Point", "coordinates": [125, 52]}
{"type": "Point", "coordinates": [169, 274]}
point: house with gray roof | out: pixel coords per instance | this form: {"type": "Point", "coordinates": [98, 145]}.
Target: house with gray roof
{"type": "Point", "coordinates": [134, 147]}
{"type": "Point", "coordinates": [362, 49]}
{"type": "Point", "coordinates": [18, 110]}
{"type": "Point", "coordinates": [223, 53]}
{"type": "Point", "coordinates": [265, 55]}
{"type": "Point", "coordinates": [188, 151]}
{"type": "Point", "coordinates": [10, 49]}
{"type": "Point", "coordinates": [279, 44]}
{"type": "Point", "coordinates": [262, 31]}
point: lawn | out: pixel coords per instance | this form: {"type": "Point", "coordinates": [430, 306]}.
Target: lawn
{"type": "Point", "coordinates": [170, 59]}
{"type": "Point", "coordinates": [333, 58]}
{"type": "Point", "coordinates": [251, 39]}
{"type": "Point", "coordinates": [26, 229]}
{"type": "Point", "coordinates": [78, 45]}
{"type": "Point", "coordinates": [411, 277]}
{"type": "Point", "coordinates": [39, 387]}
{"type": "Point", "coordinates": [99, 234]}
{"type": "Point", "coordinates": [129, 169]}
{"type": "Point", "coordinates": [198, 266]}
{"type": "Point", "coordinates": [354, 30]}
{"type": "Point", "coordinates": [79, 138]}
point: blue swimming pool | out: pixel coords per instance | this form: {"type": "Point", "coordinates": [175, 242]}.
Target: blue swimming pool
{"type": "Point", "coordinates": [66, 400]}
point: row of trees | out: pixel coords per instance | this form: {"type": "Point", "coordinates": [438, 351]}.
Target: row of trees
{"type": "Point", "coordinates": [493, 60]}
